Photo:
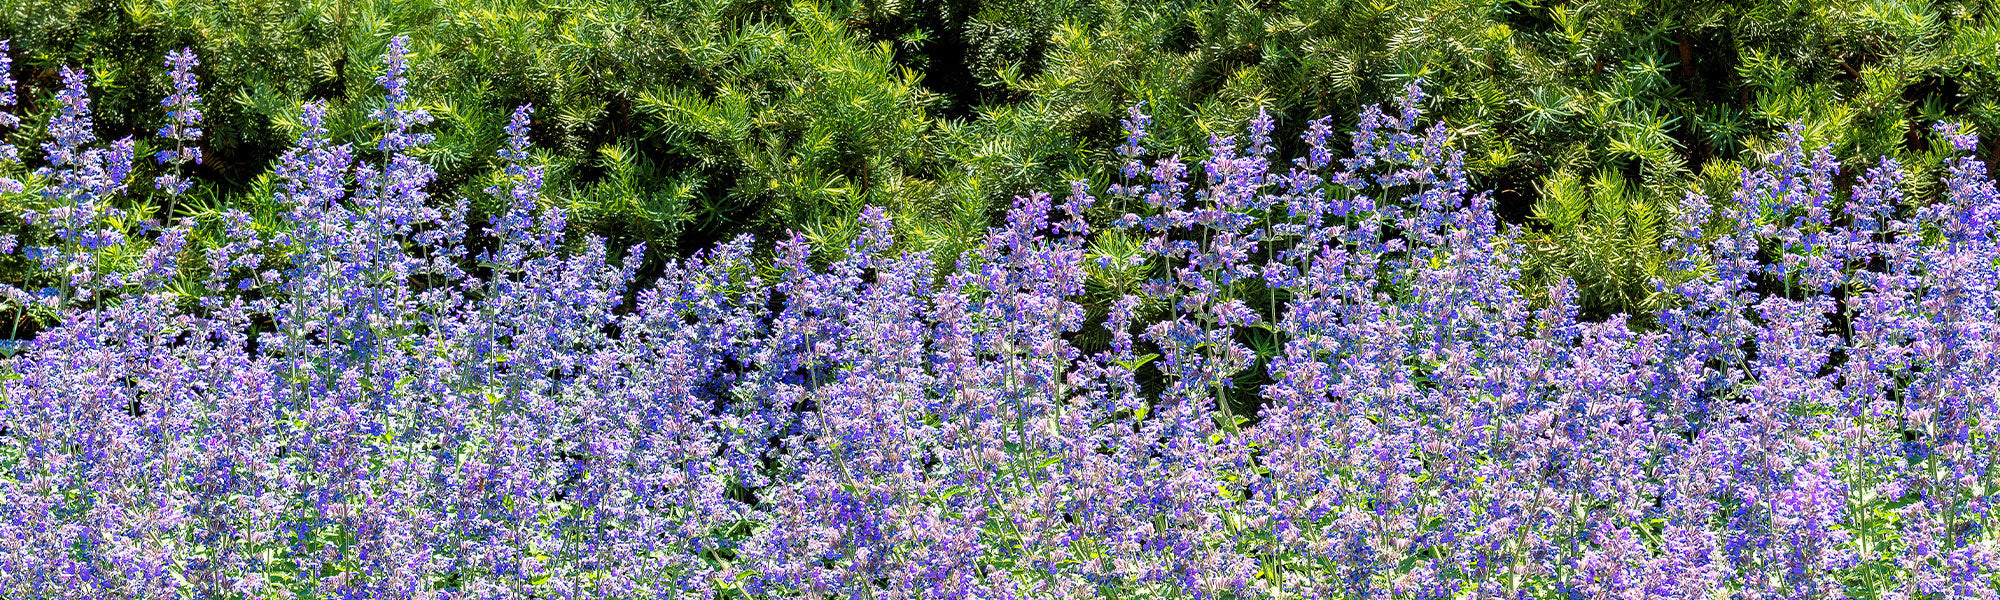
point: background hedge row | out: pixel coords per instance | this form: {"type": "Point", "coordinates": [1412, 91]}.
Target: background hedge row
{"type": "Point", "coordinates": [683, 122]}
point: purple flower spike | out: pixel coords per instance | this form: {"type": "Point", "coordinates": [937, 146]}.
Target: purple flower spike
{"type": "Point", "coordinates": [516, 228]}
{"type": "Point", "coordinates": [183, 122]}
{"type": "Point", "coordinates": [7, 98]}
{"type": "Point", "coordinates": [397, 114]}
{"type": "Point", "coordinates": [8, 153]}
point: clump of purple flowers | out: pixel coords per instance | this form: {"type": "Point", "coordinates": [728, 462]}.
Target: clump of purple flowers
{"type": "Point", "coordinates": [81, 181]}
{"type": "Point", "coordinates": [377, 402]}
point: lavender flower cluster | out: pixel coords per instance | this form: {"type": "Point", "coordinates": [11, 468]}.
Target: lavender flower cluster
{"type": "Point", "coordinates": [372, 400]}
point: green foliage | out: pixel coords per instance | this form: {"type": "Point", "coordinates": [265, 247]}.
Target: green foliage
{"type": "Point", "coordinates": [796, 125]}
{"type": "Point", "coordinates": [683, 122]}
{"type": "Point", "coordinates": [1604, 234]}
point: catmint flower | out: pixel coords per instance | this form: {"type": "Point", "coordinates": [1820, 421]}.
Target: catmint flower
{"type": "Point", "coordinates": [396, 112]}
{"type": "Point", "coordinates": [183, 122]}
{"type": "Point", "coordinates": [8, 153]}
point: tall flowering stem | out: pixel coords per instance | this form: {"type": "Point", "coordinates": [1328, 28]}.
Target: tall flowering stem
{"type": "Point", "coordinates": [183, 125]}
{"type": "Point", "coordinates": [8, 153]}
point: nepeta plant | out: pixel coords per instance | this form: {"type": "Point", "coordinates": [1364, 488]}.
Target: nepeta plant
{"type": "Point", "coordinates": [374, 401]}
{"type": "Point", "coordinates": [81, 184]}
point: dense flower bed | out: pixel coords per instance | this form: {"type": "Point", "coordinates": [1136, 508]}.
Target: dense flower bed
{"type": "Point", "coordinates": [379, 401]}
